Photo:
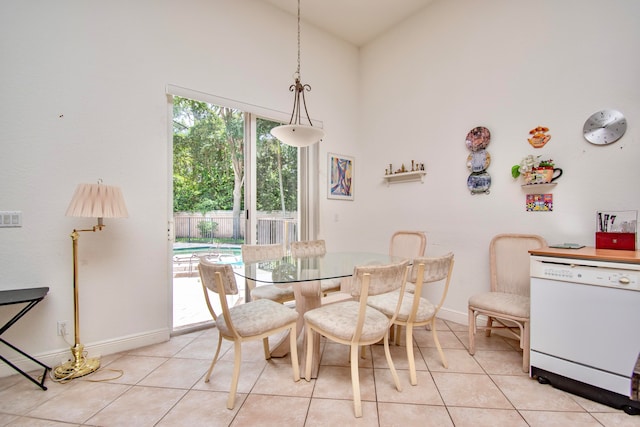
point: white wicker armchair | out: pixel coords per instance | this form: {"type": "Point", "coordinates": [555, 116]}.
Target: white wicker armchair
{"type": "Point", "coordinates": [508, 301]}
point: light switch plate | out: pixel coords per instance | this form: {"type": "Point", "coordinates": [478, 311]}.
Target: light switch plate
{"type": "Point", "coordinates": [10, 219]}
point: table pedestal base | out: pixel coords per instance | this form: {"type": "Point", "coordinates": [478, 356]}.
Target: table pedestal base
{"type": "Point", "coordinates": [307, 296]}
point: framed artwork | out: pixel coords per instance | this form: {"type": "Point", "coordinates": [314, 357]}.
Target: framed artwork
{"type": "Point", "coordinates": [340, 177]}
{"type": "Point", "coordinates": [539, 202]}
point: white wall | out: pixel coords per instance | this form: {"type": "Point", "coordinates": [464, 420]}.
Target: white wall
{"type": "Point", "coordinates": [509, 66]}
{"type": "Point", "coordinates": [83, 90]}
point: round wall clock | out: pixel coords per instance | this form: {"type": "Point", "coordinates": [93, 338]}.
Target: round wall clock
{"type": "Point", "coordinates": [604, 127]}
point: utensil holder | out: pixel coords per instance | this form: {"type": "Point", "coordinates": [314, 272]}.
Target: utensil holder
{"type": "Point", "coordinates": [616, 230]}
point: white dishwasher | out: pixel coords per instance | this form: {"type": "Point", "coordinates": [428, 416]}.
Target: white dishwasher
{"type": "Point", "coordinates": [585, 326]}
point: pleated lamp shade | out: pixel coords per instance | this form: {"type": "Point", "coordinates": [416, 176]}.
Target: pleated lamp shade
{"type": "Point", "coordinates": [97, 201]}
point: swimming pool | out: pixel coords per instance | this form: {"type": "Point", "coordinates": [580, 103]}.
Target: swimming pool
{"type": "Point", "coordinates": [222, 254]}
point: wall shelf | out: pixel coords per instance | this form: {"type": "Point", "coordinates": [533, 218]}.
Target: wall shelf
{"type": "Point", "coordinates": [538, 188]}
{"type": "Point", "coordinates": [404, 177]}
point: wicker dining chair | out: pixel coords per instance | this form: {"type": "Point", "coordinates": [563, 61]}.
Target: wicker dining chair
{"type": "Point", "coordinates": [313, 248]}
{"type": "Point", "coordinates": [408, 244]}
{"type": "Point", "coordinates": [272, 252]}
{"type": "Point", "coordinates": [508, 301]}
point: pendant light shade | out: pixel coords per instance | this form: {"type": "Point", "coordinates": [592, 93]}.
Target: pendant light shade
{"type": "Point", "coordinates": [296, 133]}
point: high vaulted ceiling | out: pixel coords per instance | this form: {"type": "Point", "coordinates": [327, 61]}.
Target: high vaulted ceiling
{"type": "Point", "coordinates": [356, 21]}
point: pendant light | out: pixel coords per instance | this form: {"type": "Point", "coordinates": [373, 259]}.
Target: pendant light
{"type": "Point", "coordinates": [295, 133]}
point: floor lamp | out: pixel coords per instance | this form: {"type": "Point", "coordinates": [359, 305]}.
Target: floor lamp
{"type": "Point", "coordinates": [94, 201]}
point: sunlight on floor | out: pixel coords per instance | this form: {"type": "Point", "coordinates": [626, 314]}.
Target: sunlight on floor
{"type": "Point", "coordinates": [189, 306]}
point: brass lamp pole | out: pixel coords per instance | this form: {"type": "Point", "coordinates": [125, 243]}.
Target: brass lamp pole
{"type": "Point", "coordinates": [89, 200]}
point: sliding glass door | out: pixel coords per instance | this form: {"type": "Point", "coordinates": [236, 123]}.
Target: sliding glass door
{"type": "Point", "coordinates": [233, 182]}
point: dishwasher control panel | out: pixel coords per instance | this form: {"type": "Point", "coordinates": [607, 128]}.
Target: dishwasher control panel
{"type": "Point", "coordinates": [589, 273]}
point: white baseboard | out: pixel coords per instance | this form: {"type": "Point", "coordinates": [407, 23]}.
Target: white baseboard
{"type": "Point", "coordinates": [57, 357]}
{"type": "Point", "coordinates": [453, 316]}
{"type": "Point", "coordinates": [463, 318]}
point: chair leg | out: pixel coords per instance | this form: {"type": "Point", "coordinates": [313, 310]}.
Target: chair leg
{"type": "Point", "coordinates": [293, 344]}
{"type": "Point", "coordinates": [526, 346]}
{"type": "Point", "coordinates": [487, 331]}
{"type": "Point", "coordinates": [237, 349]}
{"type": "Point", "coordinates": [410, 358]}
{"type": "Point", "coordinates": [215, 358]}
{"type": "Point", "coordinates": [437, 341]}
{"type": "Point", "coordinates": [398, 334]}
{"type": "Point", "coordinates": [265, 347]}
{"type": "Point", "coordinates": [472, 331]}
{"type": "Point", "coordinates": [309, 334]}
{"type": "Point", "coordinates": [392, 368]}
{"type": "Point", "coordinates": [355, 380]}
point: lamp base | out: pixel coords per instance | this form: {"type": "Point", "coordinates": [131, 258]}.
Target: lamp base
{"type": "Point", "coordinates": [78, 367]}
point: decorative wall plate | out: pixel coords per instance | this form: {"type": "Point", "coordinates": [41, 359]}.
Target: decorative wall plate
{"type": "Point", "coordinates": [477, 161]}
{"type": "Point", "coordinates": [478, 138]}
{"type": "Point", "coordinates": [479, 183]}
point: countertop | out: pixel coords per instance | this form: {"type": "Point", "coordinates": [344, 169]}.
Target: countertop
{"type": "Point", "coordinates": [588, 252]}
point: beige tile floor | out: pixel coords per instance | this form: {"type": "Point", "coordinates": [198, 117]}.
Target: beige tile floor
{"type": "Point", "coordinates": [162, 385]}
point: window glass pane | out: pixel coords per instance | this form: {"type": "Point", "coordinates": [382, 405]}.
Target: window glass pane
{"type": "Point", "coordinates": [208, 202]}
{"type": "Point", "coordinates": [211, 193]}
{"type": "Point", "coordinates": [276, 187]}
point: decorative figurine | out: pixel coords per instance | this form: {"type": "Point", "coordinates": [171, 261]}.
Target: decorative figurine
{"type": "Point", "coordinates": [415, 167]}
{"type": "Point", "coordinates": [539, 137]}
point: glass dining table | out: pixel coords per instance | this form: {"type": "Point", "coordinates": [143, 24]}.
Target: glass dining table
{"type": "Point", "coordinates": [304, 274]}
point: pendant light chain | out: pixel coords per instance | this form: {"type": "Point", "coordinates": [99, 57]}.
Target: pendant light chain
{"type": "Point", "coordinates": [298, 71]}
{"type": "Point", "coordinates": [296, 133]}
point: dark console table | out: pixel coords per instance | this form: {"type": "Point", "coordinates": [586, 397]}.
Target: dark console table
{"type": "Point", "coordinates": [31, 297]}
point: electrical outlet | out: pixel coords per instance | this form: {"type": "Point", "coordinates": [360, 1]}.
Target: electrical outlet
{"type": "Point", "coordinates": [62, 328]}
{"type": "Point", "coordinates": [10, 219]}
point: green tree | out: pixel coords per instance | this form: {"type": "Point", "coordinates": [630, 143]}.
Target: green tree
{"type": "Point", "coordinates": [208, 167]}
{"type": "Point", "coordinates": [277, 168]}
{"type": "Point", "coordinates": [201, 159]}
{"type": "Point", "coordinates": [208, 146]}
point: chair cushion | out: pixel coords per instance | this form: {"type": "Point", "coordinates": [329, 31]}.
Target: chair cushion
{"type": "Point", "coordinates": [387, 303]}
{"type": "Point", "coordinates": [273, 293]}
{"type": "Point", "coordinates": [410, 287]}
{"type": "Point", "coordinates": [257, 317]}
{"type": "Point", "coordinates": [509, 304]}
{"type": "Point", "coordinates": [339, 320]}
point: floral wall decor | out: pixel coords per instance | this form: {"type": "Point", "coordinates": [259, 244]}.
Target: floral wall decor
{"type": "Point", "coordinates": [536, 171]}
{"type": "Point", "coordinates": [533, 169]}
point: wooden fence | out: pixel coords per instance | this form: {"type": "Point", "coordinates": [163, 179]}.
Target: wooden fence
{"type": "Point", "coordinates": [219, 225]}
